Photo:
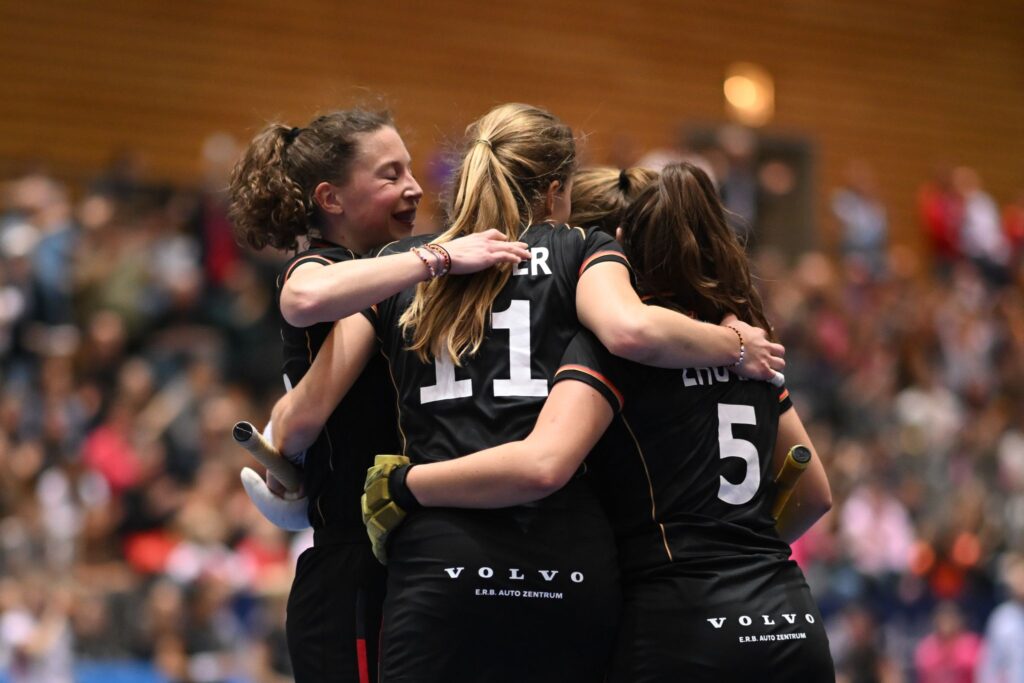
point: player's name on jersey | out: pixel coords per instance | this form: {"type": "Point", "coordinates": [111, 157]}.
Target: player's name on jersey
{"type": "Point", "coordinates": [704, 377]}
{"type": "Point", "coordinates": [537, 265]}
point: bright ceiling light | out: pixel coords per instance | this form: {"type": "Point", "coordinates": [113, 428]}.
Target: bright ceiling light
{"type": "Point", "coordinates": [749, 94]}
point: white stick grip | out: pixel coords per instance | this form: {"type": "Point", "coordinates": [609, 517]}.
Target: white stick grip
{"type": "Point", "coordinates": [249, 438]}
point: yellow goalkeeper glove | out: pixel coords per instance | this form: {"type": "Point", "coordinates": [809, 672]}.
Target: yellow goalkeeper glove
{"type": "Point", "coordinates": [386, 500]}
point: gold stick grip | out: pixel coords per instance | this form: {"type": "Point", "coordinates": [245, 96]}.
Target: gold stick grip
{"type": "Point", "coordinates": [793, 466]}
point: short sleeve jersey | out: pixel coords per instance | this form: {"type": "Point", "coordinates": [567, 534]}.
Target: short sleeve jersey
{"type": "Point", "coordinates": [684, 468]}
{"type": "Point", "coordinates": [494, 396]}
{"type": "Point", "coordinates": [362, 425]}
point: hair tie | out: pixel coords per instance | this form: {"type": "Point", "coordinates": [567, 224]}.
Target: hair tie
{"type": "Point", "coordinates": [623, 181]}
{"type": "Point", "coordinates": [483, 141]}
{"type": "Point", "coordinates": [291, 134]}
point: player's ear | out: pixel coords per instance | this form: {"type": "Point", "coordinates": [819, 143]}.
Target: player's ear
{"type": "Point", "coordinates": [557, 201]}
{"type": "Point", "coordinates": [328, 197]}
{"type": "Point", "coordinates": [550, 195]}
{"type": "Point", "coordinates": [618, 234]}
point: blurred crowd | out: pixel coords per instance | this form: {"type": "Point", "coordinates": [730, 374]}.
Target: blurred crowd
{"type": "Point", "coordinates": [134, 332]}
{"type": "Point", "coordinates": [909, 366]}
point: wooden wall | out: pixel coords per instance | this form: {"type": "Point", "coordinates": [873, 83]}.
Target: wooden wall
{"type": "Point", "coordinates": [901, 83]}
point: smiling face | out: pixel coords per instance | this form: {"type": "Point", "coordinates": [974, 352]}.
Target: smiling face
{"type": "Point", "coordinates": [378, 201]}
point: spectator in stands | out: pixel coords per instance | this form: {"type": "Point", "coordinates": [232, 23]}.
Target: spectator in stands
{"type": "Point", "coordinates": [981, 233]}
{"type": "Point", "coordinates": [1003, 659]}
{"type": "Point", "coordinates": [1013, 225]}
{"type": "Point", "coordinates": [877, 531]}
{"type": "Point", "coordinates": [941, 211]}
{"type": "Point", "coordinates": [858, 651]}
{"type": "Point", "coordinates": [35, 632]}
{"type": "Point", "coordinates": [864, 226]}
{"type": "Point", "coordinates": [949, 653]}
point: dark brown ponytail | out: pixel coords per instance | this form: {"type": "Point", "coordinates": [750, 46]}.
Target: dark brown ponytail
{"type": "Point", "coordinates": [272, 185]}
{"type": "Point", "coordinates": [676, 237]}
{"type": "Point", "coordinates": [601, 194]}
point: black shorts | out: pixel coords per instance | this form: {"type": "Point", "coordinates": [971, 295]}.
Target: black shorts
{"type": "Point", "coordinates": [334, 611]}
{"type": "Point", "coordinates": [775, 634]}
{"type": "Point", "coordinates": [514, 595]}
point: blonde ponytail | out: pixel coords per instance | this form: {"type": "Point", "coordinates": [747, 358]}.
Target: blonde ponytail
{"type": "Point", "coordinates": [510, 158]}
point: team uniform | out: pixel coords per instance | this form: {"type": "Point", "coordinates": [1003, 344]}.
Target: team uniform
{"type": "Point", "coordinates": [710, 593]}
{"type": "Point", "coordinates": [334, 608]}
{"type": "Point", "coordinates": [526, 593]}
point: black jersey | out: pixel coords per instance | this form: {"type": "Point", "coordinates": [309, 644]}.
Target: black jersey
{"type": "Point", "coordinates": [709, 594]}
{"type": "Point", "coordinates": [685, 467]}
{"type": "Point", "coordinates": [362, 425]}
{"type": "Point", "coordinates": [495, 396]}
{"type": "Point", "coordinates": [528, 593]}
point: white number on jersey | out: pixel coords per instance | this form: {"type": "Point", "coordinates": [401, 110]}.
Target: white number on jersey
{"type": "Point", "coordinates": [515, 319]}
{"type": "Point", "coordinates": [731, 447]}
{"type": "Point", "coordinates": [446, 386]}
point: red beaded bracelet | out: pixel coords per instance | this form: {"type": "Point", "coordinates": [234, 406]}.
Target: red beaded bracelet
{"type": "Point", "coordinates": [430, 267]}
{"type": "Point", "coordinates": [443, 253]}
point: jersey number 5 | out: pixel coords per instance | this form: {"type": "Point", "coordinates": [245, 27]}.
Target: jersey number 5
{"type": "Point", "coordinates": [515, 319]}
{"type": "Point", "coordinates": [729, 446]}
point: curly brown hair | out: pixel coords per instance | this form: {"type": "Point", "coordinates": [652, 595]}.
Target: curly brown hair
{"type": "Point", "coordinates": [272, 185]}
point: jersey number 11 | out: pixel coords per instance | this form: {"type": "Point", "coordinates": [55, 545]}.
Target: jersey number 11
{"type": "Point", "coordinates": [515, 319]}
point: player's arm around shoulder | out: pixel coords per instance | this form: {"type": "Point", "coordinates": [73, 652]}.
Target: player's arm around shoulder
{"type": "Point", "coordinates": [573, 419]}
{"type": "Point", "coordinates": [316, 293]}
{"type": "Point", "coordinates": [300, 415]}
{"type": "Point", "coordinates": [608, 306]}
{"type": "Point", "coordinates": [323, 293]}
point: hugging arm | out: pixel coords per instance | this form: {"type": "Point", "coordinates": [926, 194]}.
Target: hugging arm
{"type": "Point", "coordinates": [316, 293]}
{"type": "Point", "coordinates": [300, 415]}
{"type": "Point", "coordinates": [610, 308]}
{"type": "Point", "coordinates": [573, 419]}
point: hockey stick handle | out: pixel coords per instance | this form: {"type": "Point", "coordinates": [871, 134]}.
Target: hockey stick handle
{"type": "Point", "coordinates": [793, 466]}
{"type": "Point", "coordinates": [250, 438]}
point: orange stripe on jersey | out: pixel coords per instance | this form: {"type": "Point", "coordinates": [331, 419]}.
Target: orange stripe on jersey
{"type": "Point", "coordinates": [784, 395]}
{"type": "Point", "coordinates": [599, 255]}
{"type": "Point", "coordinates": [599, 377]}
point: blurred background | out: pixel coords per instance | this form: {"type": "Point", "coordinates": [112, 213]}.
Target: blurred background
{"type": "Point", "coordinates": [872, 151]}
